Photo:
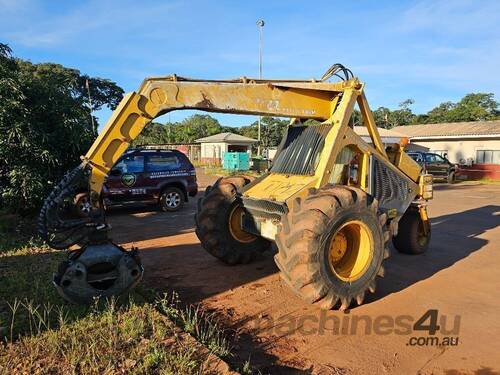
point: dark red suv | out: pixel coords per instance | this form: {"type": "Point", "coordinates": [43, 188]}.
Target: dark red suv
{"type": "Point", "coordinates": [163, 177]}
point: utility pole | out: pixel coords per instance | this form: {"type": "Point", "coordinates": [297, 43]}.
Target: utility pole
{"type": "Point", "coordinates": [260, 24]}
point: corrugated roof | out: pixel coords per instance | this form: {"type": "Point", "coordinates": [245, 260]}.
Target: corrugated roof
{"type": "Point", "coordinates": [226, 137]}
{"type": "Point", "coordinates": [363, 132]}
{"type": "Point", "coordinates": [231, 137]}
{"type": "Point", "coordinates": [453, 129]}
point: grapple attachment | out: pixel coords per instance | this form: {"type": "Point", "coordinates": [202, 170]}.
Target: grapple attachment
{"type": "Point", "coordinates": [98, 268]}
{"type": "Point", "coordinates": [102, 270]}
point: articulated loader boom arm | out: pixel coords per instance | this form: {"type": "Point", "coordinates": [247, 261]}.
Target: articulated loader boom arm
{"type": "Point", "coordinates": [157, 96]}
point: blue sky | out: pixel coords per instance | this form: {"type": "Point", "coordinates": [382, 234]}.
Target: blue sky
{"type": "Point", "coordinates": [430, 51]}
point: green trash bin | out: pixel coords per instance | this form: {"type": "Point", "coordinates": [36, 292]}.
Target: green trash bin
{"type": "Point", "coordinates": [260, 164]}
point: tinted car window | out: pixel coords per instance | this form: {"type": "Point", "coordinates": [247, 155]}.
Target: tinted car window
{"type": "Point", "coordinates": [416, 157]}
{"type": "Point", "coordinates": [159, 163]}
{"type": "Point", "coordinates": [430, 158]}
{"type": "Point", "coordinates": [131, 164]}
{"type": "Point", "coordinates": [439, 159]}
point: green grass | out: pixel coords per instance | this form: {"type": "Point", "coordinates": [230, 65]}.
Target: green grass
{"type": "Point", "coordinates": [138, 333]}
{"type": "Point", "coordinates": [135, 339]}
{"type": "Point", "coordinates": [489, 181]}
{"type": "Point", "coordinates": [225, 172]}
{"type": "Point", "coordinates": [482, 181]}
{"type": "Point", "coordinates": [198, 323]}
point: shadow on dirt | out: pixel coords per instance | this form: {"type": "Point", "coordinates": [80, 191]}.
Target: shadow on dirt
{"type": "Point", "coordinates": [138, 223]}
{"type": "Point", "coordinates": [458, 186]}
{"type": "Point", "coordinates": [480, 371]}
{"type": "Point", "coordinates": [197, 275]}
{"type": "Point", "coordinates": [454, 237]}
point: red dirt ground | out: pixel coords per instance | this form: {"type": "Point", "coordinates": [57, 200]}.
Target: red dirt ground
{"type": "Point", "coordinates": [459, 276]}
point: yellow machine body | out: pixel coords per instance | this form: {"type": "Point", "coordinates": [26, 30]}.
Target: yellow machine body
{"type": "Point", "coordinates": [328, 103]}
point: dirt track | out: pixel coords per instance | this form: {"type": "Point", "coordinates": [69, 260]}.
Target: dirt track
{"type": "Point", "coordinates": [459, 276]}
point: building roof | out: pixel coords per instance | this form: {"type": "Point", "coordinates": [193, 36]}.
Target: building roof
{"type": "Point", "coordinates": [451, 129]}
{"type": "Point", "coordinates": [226, 138]}
{"type": "Point", "coordinates": [384, 133]}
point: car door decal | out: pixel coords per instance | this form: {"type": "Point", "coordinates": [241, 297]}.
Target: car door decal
{"type": "Point", "coordinates": [129, 179]}
{"type": "Point", "coordinates": [177, 173]}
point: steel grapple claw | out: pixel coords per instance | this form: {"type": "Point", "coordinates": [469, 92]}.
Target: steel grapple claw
{"type": "Point", "coordinates": [102, 270]}
{"type": "Point", "coordinates": [59, 224]}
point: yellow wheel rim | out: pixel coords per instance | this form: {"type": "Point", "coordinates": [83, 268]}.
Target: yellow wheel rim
{"type": "Point", "coordinates": [422, 237]}
{"type": "Point", "coordinates": [351, 250]}
{"type": "Point", "coordinates": [239, 234]}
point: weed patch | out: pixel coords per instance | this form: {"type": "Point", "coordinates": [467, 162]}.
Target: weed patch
{"type": "Point", "coordinates": [139, 333]}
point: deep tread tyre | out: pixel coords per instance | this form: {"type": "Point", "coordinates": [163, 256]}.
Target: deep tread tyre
{"type": "Point", "coordinates": [212, 223]}
{"type": "Point", "coordinates": [304, 245]}
{"type": "Point", "coordinates": [410, 238]}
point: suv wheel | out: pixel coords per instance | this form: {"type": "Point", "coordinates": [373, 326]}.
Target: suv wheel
{"type": "Point", "coordinates": [171, 199]}
{"type": "Point", "coordinates": [83, 205]}
{"type": "Point", "coordinates": [451, 177]}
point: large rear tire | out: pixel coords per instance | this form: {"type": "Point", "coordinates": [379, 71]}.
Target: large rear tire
{"type": "Point", "coordinates": [218, 224]}
{"type": "Point", "coordinates": [411, 238]}
{"type": "Point", "coordinates": [332, 245]}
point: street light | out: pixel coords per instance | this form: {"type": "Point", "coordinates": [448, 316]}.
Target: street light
{"type": "Point", "coordinates": [260, 24]}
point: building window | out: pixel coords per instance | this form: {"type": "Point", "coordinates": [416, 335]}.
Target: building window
{"type": "Point", "coordinates": [488, 157]}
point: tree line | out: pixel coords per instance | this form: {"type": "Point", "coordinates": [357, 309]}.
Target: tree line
{"type": "Point", "coordinates": [472, 107]}
{"type": "Point", "coordinates": [200, 126]}
{"type": "Point", "coordinates": [45, 125]}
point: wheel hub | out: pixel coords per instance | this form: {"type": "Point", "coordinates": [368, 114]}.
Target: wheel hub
{"type": "Point", "coordinates": [351, 251]}
{"type": "Point", "coordinates": [172, 199]}
{"type": "Point", "coordinates": [422, 237]}
{"type": "Point", "coordinates": [235, 219]}
{"type": "Point", "coordinates": [84, 205]}
{"type": "Point", "coordinates": [338, 247]}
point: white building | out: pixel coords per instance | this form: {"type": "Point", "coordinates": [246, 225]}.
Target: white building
{"type": "Point", "coordinates": [214, 146]}
{"type": "Point", "coordinates": [475, 142]}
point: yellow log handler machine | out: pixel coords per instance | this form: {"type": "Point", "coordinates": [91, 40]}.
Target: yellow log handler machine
{"type": "Point", "coordinates": [330, 201]}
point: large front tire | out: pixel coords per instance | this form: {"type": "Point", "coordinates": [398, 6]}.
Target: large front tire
{"type": "Point", "coordinates": [218, 224]}
{"type": "Point", "coordinates": [332, 245]}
